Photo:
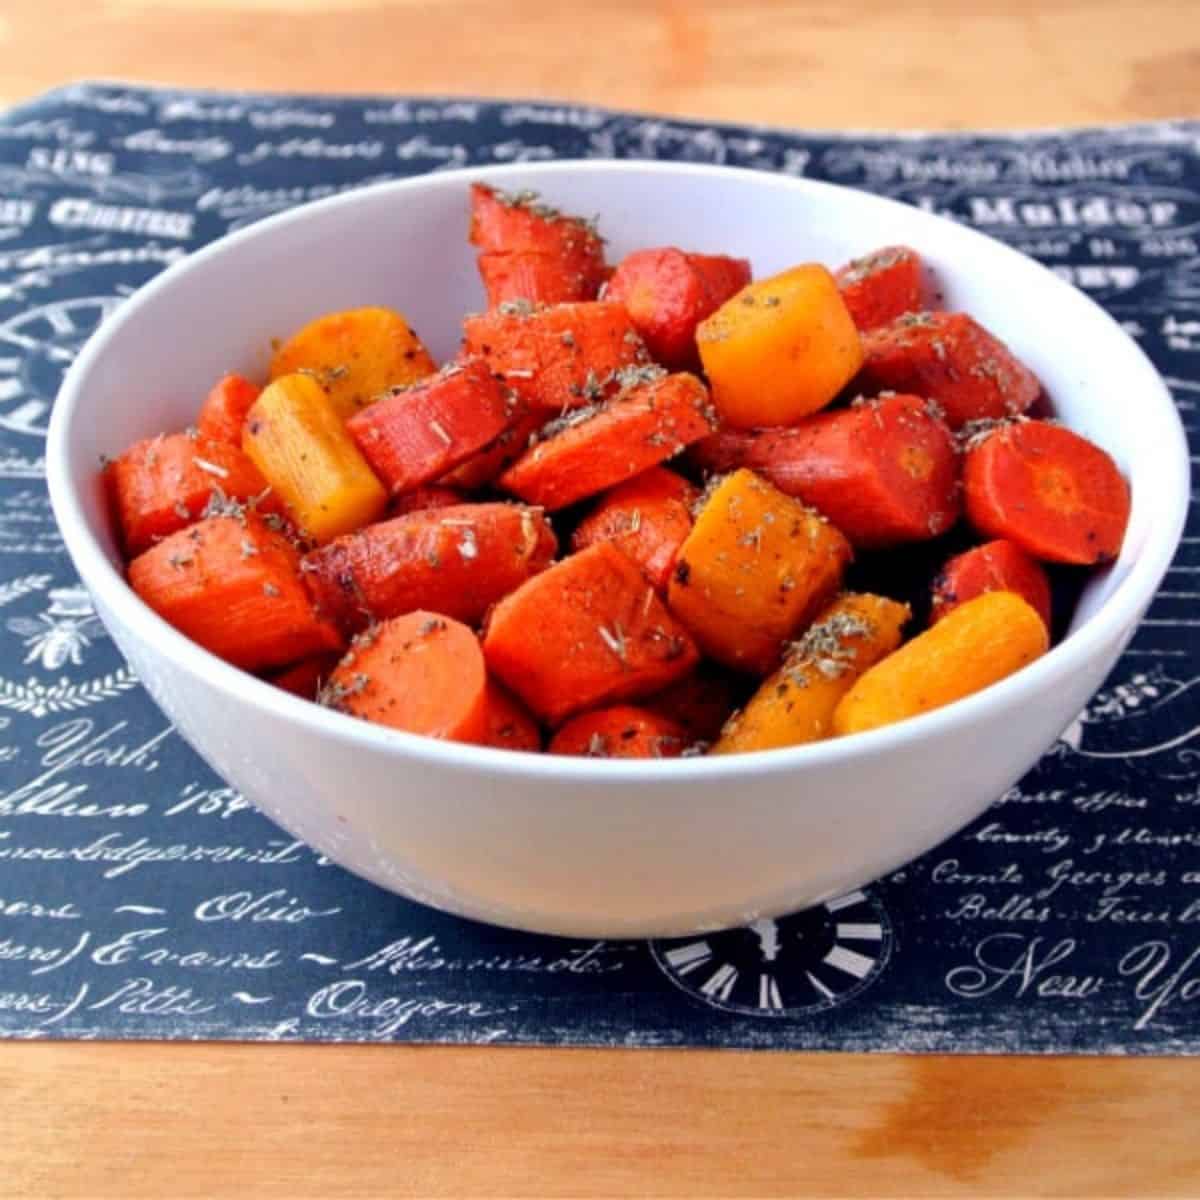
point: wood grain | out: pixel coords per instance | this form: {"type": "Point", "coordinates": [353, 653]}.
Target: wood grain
{"type": "Point", "coordinates": [129, 1121]}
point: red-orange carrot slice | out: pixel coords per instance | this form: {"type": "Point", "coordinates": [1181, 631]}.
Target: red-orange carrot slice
{"type": "Point", "coordinates": [1056, 495]}
{"type": "Point", "coordinates": [458, 561]}
{"type": "Point", "coordinates": [422, 672]}
{"type": "Point", "coordinates": [884, 471]}
{"type": "Point", "coordinates": [646, 517]}
{"type": "Point", "coordinates": [623, 731]}
{"type": "Point", "coordinates": [537, 278]}
{"type": "Point", "coordinates": [594, 449]}
{"type": "Point", "coordinates": [232, 585]}
{"type": "Point", "coordinates": [482, 468]}
{"type": "Point", "coordinates": [306, 677]}
{"type": "Point", "coordinates": [418, 433]}
{"type": "Point", "coordinates": [165, 483]}
{"type": "Point", "coordinates": [509, 725]}
{"type": "Point", "coordinates": [588, 631]}
{"type": "Point", "coordinates": [999, 566]}
{"type": "Point", "coordinates": [432, 495]}
{"type": "Point", "coordinates": [224, 410]}
{"type": "Point", "coordinates": [881, 286]}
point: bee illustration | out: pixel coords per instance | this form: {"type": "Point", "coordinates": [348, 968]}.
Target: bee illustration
{"type": "Point", "coordinates": [63, 632]}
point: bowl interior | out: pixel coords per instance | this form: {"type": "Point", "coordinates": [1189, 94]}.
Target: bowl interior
{"type": "Point", "coordinates": [404, 245]}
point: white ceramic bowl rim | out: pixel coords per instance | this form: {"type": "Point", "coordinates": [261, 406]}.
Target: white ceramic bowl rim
{"type": "Point", "coordinates": [1118, 611]}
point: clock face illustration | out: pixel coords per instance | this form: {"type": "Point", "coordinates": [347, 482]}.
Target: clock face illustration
{"type": "Point", "coordinates": [36, 348]}
{"type": "Point", "coordinates": [803, 963]}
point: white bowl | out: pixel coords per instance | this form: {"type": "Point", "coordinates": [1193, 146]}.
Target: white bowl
{"type": "Point", "coordinates": [578, 846]}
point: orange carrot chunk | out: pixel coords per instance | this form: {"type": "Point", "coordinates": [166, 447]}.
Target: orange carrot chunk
{"type": "Point", "coordinates": [165, 483]}
{"type": "Point", "coordinates": [881, 286]}
{"type": "Point", "coordinates": [306, 677]}
{"type": "Point", "coordinates": [623, 731]}
{"type": "Point", "coordinates": [999, 566]}
{"type": "Point", "coordinates": [667, 293]}
{"type": "Point", "coordinates": [418, 433]}
{"type": "Point", "coordinates": [588, 631]}
{"type": "Point", "coordinates": [232, 585]}
{"type": "Point", "coordinates": [1056, 495]}
{"type": "Point", "coordinates": [884, 471]}
{"type": "Point", "coordinates": [950, 358]}
{"type": "Point", "coordinates": [509, 725]}
{"type": "Point", "coordinates": [422, 673]}
{"type": "Point", "coordinates": [534, 277]}
{"type": "Point", "coordinates": [484, 466]}
{"type": "Point", "coordinates": [596, 448]}
{"type": "Point", "coordinates": [518, 223]}
{"type": "Point", "coordinates": [224, 410]}
{"type": "Point", "coordinates": [430, 496]}
{"type": "Point", "coordinates": [647, 517]}
{"type": "Point", "coordinates": [556, 358]}
{"type": "Point", "coordinates": [458, 561]}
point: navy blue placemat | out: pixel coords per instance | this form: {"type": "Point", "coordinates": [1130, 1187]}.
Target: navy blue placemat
{"type": "Point", "coordinates": [142, 898]}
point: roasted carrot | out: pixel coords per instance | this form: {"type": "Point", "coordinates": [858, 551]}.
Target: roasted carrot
{"type": "Point", "coordinates": [537, 278]}
{"type": "Point", "coordinates": [951, 359]}
{"type": "Point", "coordinates": [508, 724]}
{"type": "Point", "coordinates": [647, 517]}
{"type": "Point", "coordinates": [224, 410]}
{"type": "Point", "coordinates": [780, 349]}
{"type": "Point", "coordinates": [418, 433]}
{"type": "Point", "coordinates": [556, 358]}
{"type": "Point", "coordinates": [701, 702]}
{"type": "Point", "coordinates": [457, 561]}
{"type": "Point", "coordinates": [755, 568]}
{"type": "Point", "coordinates": [586, 632]}
{"type": "Point", "coordinates": [355, 355]}
{"type": "Point", "coordinates": [596, 448]}
{"type": "Point", "coordinates": [165, 483]}
{"type": "Point", "coordinates": [884, 471]}
{"type": "Point", "coordinates": [999, 566]}
{"type": "Point", "coordinates": [232, 584]}
{"type": "Point", "coordinates": [623, 731]}
{"type": "Point", "coordinates": [976, 645]}
{"type": "Point", "coordinates": [422, 673]}
{"type": "Point", "coordinates": [296, 438]}
{"type": "Point", "coordinates": [881, 286]}
{"type": "Point", "coordinates": [667, 293]}
{"type": "Point", "coordinates": [306, 677]}
{"type": "Point", "coordinates": [796, 704]}
{"type": "Point", "coordinates": [483, 467]}
{"type": "Point", "coordinates": [517, 223]}
{"type": "Point", "coordinates": [1056, 495]}
{"type": "Point", "coordinates": [430, 496]}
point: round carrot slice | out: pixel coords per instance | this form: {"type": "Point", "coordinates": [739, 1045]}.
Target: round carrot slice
{"type": "Point", "coordinates": [624, 731]}
{"type": "Point", "coordinates": [422, 673]}
{"type": "Point", "coordinates": [999, 566]}
{"type": "Point", "coordinates": [1056, 495]}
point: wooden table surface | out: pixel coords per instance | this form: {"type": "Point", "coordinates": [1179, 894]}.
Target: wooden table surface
{"type": "Point", "coordinates": [92, 1120]}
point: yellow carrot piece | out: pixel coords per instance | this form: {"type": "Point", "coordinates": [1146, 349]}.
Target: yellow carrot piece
{"type": "Point", "coordinates": [295, 437]}
{"type": "Point", "coordinates": [780, 349]}
{"type": "Point", "coordinates": [977, 644]}
{"type": "Point", "coordinates": [355, 355]}
{"type": "Point", "coordinates": [796, 704]}
{"type": "Point", "coordinates": [756, 567]}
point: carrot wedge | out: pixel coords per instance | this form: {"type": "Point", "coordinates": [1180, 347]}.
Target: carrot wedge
{"type": "Point", "coordinates": [885, 471]}
{"type": "Point", "coordinates": [589, 631]}
{"type": "Point", "coordinates": [232, 584]}
{"type": "Point", "coordinates": [595, 449]}
{"type": "Point", "coordinates": [623, 731]}
{"type": "Point", "coordinates": [881, 286]}
{"type": "Point", "coordinates": [1056, 495]}
{"type": "Point", "coordinates": [999, 566]}
{"type": "Point", "coordinates": [755, 569]}
{"type": "Point", "coordinates": [457, 561]}
{"type": "Point", "coordinates": [796, 704]}
{"type": "Point", "coordinates": [224, 410]}
{"type": "Point", "coordinates": [647, 517]}
{"type": "Point", "coordinates": [163, 484]}
{"type": "Point", "coordinates": [978, 644]}
{"type": "Point", "coordinates": [422, 673]}
{"type": "Point", "coordinates": [418, 433]}
{"type": "Point", "coordinates": [537, 278]}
